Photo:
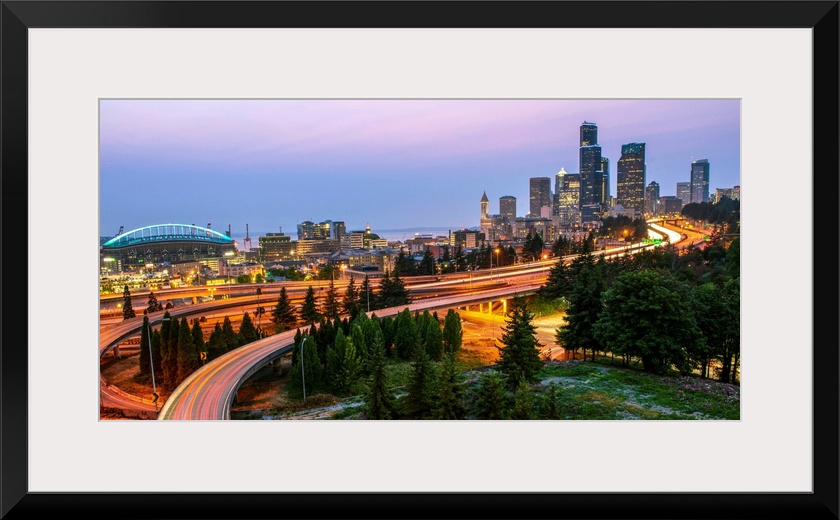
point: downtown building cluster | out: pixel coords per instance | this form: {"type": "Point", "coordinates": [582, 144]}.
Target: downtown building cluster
{"type": "Point", "coordinates": [577, 201]}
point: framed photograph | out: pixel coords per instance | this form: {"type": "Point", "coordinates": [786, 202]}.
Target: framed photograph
{"type": "Point", "coordinates": [76, 74]}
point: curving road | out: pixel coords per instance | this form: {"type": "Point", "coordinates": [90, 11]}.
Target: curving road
{"type": "Point", "coordinates": [208, 393]}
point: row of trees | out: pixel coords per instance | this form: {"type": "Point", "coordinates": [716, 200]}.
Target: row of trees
{"type": "Point", "coordinates": [438, 391]}
{"type": "Point", "coordinates": [664, 308]}
{"type": "Point", "coordinates": [340, 356]}
{"type": "Point", "coordinates": [153, 305]}
{"type": "Point", "coordinates": [178, 347]}
{"type": "Point", "coordinates": [390, 292]}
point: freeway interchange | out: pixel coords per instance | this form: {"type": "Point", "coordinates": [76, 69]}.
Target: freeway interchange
{"type": "Point", "coordinates": [208, 393]}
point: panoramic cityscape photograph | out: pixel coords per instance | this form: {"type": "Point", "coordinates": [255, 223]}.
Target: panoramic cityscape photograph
{"type": "Point", "coordinates": [419, 259]}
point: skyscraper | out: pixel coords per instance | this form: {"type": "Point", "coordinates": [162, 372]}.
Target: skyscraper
{"type": "Point", "coordinates": [507, 208]}
{"type": "Point", "coordinates": [485, 205]}
{"type": "Point", "coordinates": [588, 133]}
{"type": "Point", "coordinates": [630, 177]}
{"type": "Point", "coordinates": [540, 194]}
{"type": "Point", "coordinates": [700, 180]}
{"type": "Point", "coordinates": [590, 162]}
{"type": "Point", "coordinates": [652, 198]}
{"type": "Point", "coordinates": [567, 201]}
{"type": "Point", "coordinates": [605, 181]}
{"type": "Point", "coordinates": [684, 192]}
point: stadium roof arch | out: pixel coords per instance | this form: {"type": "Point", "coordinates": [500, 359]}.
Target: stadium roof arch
{"type": "Point", "coordinates": [161, 233]}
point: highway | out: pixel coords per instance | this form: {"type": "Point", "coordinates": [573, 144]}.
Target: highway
{"type": "Point", "coordinates": [208, 393]}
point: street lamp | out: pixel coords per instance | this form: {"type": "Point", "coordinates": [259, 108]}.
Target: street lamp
{"type": "Point", "coordinates": [152, 364]}
{"type": "Point", "coordinates": [302, 372]}
{"type": "Point", "coordinates": [497, 262]}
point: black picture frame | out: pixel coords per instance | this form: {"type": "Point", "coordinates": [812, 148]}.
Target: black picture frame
{"type": "Point", "coordinates": [19, 16]}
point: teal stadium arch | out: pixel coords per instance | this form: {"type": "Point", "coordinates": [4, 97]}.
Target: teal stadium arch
{"type": "Point", "coordinates": [167, 243]}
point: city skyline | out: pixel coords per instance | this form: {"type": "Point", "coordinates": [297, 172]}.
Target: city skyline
{"type": "Point", "coordinates": [392, 164]}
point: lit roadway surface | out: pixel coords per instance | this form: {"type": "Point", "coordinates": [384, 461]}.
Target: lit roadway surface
{"type": "Point", "coordinates": [208, 393]}
{"type": "Point", "coordinates": [190, 400]}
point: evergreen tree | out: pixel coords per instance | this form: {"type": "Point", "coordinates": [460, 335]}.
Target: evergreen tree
{"type": "Point", "coordinates": [343, 365]}
{"type": "Point", "coordinates": [537, 246]}
{"type": "Point", "coordinates": [323, 337]}
{"type": "Point", "coordinates": [350, 302]}
{"type": "Point", "coordinates": [434, 339]}
{"type": "Point", "coordinates": [157, 355]}
{"type": "Point", "coordinates": [528, 248]}
{"type": "Point", "coordinates": [370, 329]}
{"type": "Point", "coordinates": [153, 305]}
{"type": "Point", "coordinates": [452, 332]}
{"type": "Point", "coordinates": [170, 357]}
{"type": "Point", "coordinates": [229, 335]}
{"type": "Point", "coordinates": [427, 264]}
{"type": "Point", "coordinates": [392, 291]}
{"type": "Point", "coordinates": [309, 310]}
{"type": "Point", "coordinates": [491, 401]}
{"type": "Point", "coordinates": [283, 315]}
{"type": "Point", "coordinates": [523, 403]}
{"type": "Point", "coordinates": [585, 305]}
{"type": "Point", "coordinates": [357, 337]}
{"type": "Point", "coordinates": [198, 338]}
{"type": "Point", "coordinates": [450, 396]}
{"type": "Point", "coordinates": [446, 262]}
{"type": "Point", "coordinates": [331, 303]}
{"type": "Point", "coordinates": [379, 400]}
{"type": "Point", "coordinates": [551, 410]}
{"type": "Point", "coordinates": [145, 344]}
{"type": "Point", "coordinates": [419, 403]}
{"type": "Point", "coordinates": [163, 349]}
{"type": "Point", "coordinates": [298, 338]}
{"type": "Point", "coordinates": [128, 312]}
{"type": "Point", "coordinates": [187, 355]}
{"type": "Point", "coordinates": [367, 299]}
{"type": "Point", "coordinates": [216, 345]}
{"type": "Point", "coordinates": [388, 326]}
{"type": "Point", "coordinates": [311, 371]}
{"type": "Point", "coordinates": [559, 282]}
{"type": "Point", "coordinates": [405, 336]}
{"type": "Point", "coordinates": [421, 323]}
{"type": "Point", "coordinates": [247, 331]}
{"type": "Point", "coordinates": [460, 260]}
{"type": "Point", "coordinates": [520, 355]}
{"type": "Point", "coordinates": [404, 265]}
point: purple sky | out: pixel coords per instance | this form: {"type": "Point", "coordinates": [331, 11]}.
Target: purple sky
{"type": "Point", "coordinates": [394, 164]}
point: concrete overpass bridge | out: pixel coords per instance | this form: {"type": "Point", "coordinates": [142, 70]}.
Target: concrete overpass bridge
{"type": "Point", "coordinates": [208, 393]}
{"type": "Point", "coordinates": [475, 288]}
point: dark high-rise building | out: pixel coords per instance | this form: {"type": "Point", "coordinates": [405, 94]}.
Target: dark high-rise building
{"type": "Point", "coordinates": [652, 198]}
{"type": "Point", "coordinates": [507, 208]}
{"type": "Point", "coordinates": [590, 162]}
{"type": "Point", "coordinates": [540, 194]}
{"type": "Point", "coordinates": [670, 205]}
{"type": "Point", "coordinates": [485, 205]}
{"type": "Point", "coordinates": [588, 133]}
{"type": "Point", "coordinates": [605, 181]}
{"type": "Point", "coordinates": [700, 180]}
{"type": "Point", "coordinates": [630, 177]}
{"type": "Point", "coordinates": [684, 192]}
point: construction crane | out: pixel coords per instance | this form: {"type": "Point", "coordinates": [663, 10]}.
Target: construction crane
{"type": "Point", "coordinates": [247, 242]}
